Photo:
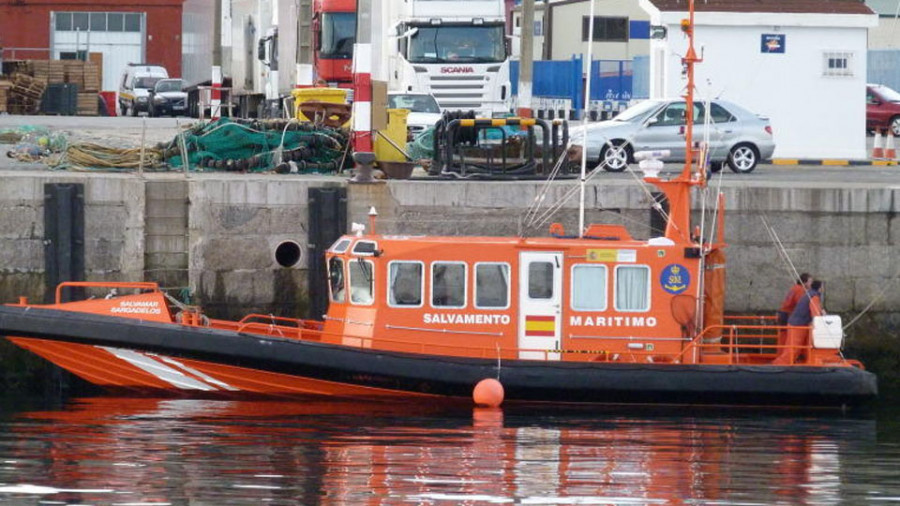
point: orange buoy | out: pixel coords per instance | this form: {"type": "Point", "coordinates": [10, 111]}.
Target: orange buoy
{"type": "Point", "coordinates": [488, 392]}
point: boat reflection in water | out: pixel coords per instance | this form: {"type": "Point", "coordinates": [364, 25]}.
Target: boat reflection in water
{"type": "Point", "coordinates": [127, 451]}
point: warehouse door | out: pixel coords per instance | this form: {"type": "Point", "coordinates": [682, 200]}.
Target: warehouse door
{"type": "Point", "coordinates": [119, 36]}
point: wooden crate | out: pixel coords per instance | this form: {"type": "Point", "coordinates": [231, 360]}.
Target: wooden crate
{"type": "Point", "coordinates": [22, 105]}
{"type": "Point", "coordinates": [39, 69]}
{"type": "Point", "coordinates": [87, 104]}
{"type": "Point", "coordinates": [57, 72]}
{"type": "Point", "coordinates": [74, 72]}
{"type": "Point", "coordinates": [27, 86]}
{"type": "Point", "coordinates": [91, 77]}
{"type": "Point", "coordinates": [4, 94]}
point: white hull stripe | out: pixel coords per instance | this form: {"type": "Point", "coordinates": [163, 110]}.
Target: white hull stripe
{"type": "Point", "coordinates": [177, 378]}
{"type": "Point", "coordinates": [203, 376]}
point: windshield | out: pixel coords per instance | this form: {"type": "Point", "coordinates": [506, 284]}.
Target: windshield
{"type": "Point", "coordinates": [168, 85]}
{"type": "Point", "coordinates": [469, 44]}
{"type": "Point", "coordinates": [637, 110]}
{"type": "Point", "coordinates": [338, 34]}
{"type": "Point", "coordinates": [415, 103]}
{"type": "Point", "coordinates": [145, 82]}
{"type": "Point", "coordinates": [887, 93]}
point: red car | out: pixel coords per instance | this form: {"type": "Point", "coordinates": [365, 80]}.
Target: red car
{"type": "Point", "coordinates": [882, 108]}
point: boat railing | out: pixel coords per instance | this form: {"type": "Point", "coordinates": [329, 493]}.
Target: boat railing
{"type": "Point", "coordinates": [265, 324]}
{"type": "Point", "coordinates": [757, 344]}
{"type": "Point", "coordinates": [728, 343]}
{"type": "Point", "coordinates": [144, 286]}
{"type": "Point", "coordinates": [269, 319]}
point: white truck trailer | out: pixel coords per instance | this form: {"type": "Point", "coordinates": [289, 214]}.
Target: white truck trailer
{"type": "Point", "coordinates": [256, 45]}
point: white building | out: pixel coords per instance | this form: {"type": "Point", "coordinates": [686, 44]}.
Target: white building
{"type": "Point", "coordinates": [560, 29]}
{"type": "Point", "coordinates": [802, 63]}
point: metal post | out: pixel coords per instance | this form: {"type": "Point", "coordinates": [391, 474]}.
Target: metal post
{"type": "Point", "coordinates": [143, 144]}
{"type": "Point", "coordinates": [526, 59]}
{"type": "Point", "coordinates": [587, 103]}
{"type": "Point", "coordinates": [362, 75]}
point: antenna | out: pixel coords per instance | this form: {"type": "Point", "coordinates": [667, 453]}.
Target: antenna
{"type": "Point", "coordinates": [584, 115]}
{"type": "Point", "coordinates": [687, 26]}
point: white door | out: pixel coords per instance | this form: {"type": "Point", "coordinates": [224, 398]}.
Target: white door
{"type": "Point", "coordinates": [540, 309]}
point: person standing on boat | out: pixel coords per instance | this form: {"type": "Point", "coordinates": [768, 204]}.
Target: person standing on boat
{"type": "Point", "coordinates": [808, 307]}
{"type": "Point", "coordinates": [790, 300]}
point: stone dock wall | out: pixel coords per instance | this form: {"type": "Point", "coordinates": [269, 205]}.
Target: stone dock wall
{"type": "Point", "coordinates": [215, 235]}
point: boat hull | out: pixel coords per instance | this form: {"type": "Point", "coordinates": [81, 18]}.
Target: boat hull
{"type": "Point", "coordinates": [141, 355]}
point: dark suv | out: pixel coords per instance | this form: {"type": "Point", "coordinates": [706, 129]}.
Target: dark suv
{"type": "Point", "coordinates": [882, 108]}
{"type": "Point", "coordinates": [167, 98]}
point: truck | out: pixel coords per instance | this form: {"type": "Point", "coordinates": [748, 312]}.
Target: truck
{"type": "Point", "coordinates": [456, 50]}
{"type": "Point", "coordinates": [261, 47]}
{"type": "Point", "coordinates": [334, 33]}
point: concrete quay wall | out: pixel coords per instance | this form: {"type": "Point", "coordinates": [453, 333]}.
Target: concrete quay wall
{"type": "Point", "coordinates": [215, 235]}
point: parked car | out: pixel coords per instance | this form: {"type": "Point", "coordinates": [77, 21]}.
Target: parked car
{"type": "Point", "coordinates": [882, 108]}
{"type": "Point", "coordinates": [424, 111]}
{"type": "Point", "coordinates": [167, 98]}
{"type": "Point", "coordinates": [134, 87]}
{"type": "Point", "coordinates": [737, 136]}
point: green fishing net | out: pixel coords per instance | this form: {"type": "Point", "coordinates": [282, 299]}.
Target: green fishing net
{"type": "Point", "coordinates": [260, 146]}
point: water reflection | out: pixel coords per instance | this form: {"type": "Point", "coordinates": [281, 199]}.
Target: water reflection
{"type": "Point", "coordinates": [146, 451]}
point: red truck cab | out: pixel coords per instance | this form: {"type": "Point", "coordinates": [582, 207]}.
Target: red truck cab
{"type": "Point", "coordinates": [334, 28]}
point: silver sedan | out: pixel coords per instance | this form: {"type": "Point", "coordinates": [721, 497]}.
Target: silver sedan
{"type": "Point", "coordinates": [736, 136]}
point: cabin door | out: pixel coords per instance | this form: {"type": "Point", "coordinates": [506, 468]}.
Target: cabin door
{"type": "Point", "coordinates": [540, 304]}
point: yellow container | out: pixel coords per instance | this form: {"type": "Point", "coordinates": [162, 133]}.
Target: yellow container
{"type": "Point", "coordinates": [396, 132]}
{"type": "Point", "coordinates": [332, 95]}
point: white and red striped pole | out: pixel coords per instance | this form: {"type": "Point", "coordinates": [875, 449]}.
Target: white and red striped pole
{"type": "Point", "coordinates": [215, 94]}
{"type": "Point", "coordinates": [362, 97]}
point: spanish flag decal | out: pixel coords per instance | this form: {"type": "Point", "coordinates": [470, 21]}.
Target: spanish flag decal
{"type": "Point", "coordinates": [540, 325]}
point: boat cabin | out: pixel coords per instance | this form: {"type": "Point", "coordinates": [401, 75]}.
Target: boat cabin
{"type": "Point", "coordinates": [605, 296]}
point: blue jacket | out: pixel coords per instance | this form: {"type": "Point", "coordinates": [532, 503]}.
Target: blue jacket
{"type": "Point", "coordinates": [801, 316]}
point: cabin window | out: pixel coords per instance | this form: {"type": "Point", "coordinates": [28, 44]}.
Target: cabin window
{"type": "Point", "coordinates": [406, 284]}
{"type": "Point", "coordinates": [448, 284]}
{"type": "Point", "coordinates": [540, 280]}
{"type": "Point", "coordinates": [336, 279]}
{"type": "Point", "coordinates": [632, 288]}
{"type": "Point", "coordinates": [340, 246]}
{"type": "Point", "coordinates": [365, 248]}
{"type": "Point", "coordinates": [491, 286]}
{"type": "Point", "coordinates": [361, 281]}
{"type": "Point", "coordinates": [589, 287]}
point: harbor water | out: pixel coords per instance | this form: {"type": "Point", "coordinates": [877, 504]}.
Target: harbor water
{"type": "Point", "coordinates": [126, 451]}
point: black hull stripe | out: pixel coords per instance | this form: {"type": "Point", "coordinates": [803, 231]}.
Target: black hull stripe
{"type": "Point", "coordinates": [523, 380]}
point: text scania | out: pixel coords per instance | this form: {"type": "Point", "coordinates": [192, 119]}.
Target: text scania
{"type": "Point", "coordinates": [467, 319]}
{"type": "Point", "coordinates": [457, 70]}
{"type": "Point", "coordinates": [137, 307]}
{"type": "Point", "coordinates": [612, 321]}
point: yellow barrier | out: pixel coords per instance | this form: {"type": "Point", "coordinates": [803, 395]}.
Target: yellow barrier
{"type": "Point", "coordinates": [301, 95]}
{"type": "Point", "coordinates": [396, 132]}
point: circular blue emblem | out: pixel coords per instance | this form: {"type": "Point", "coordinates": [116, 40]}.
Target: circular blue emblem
{"type": "Point", "coordinates": [675, 279]}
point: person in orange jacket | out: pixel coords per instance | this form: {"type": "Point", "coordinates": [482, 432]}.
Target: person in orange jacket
{"type": "Point", "coordinates": [808, 307]}
{"type": "Point", "coordinates": [790, 300]}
